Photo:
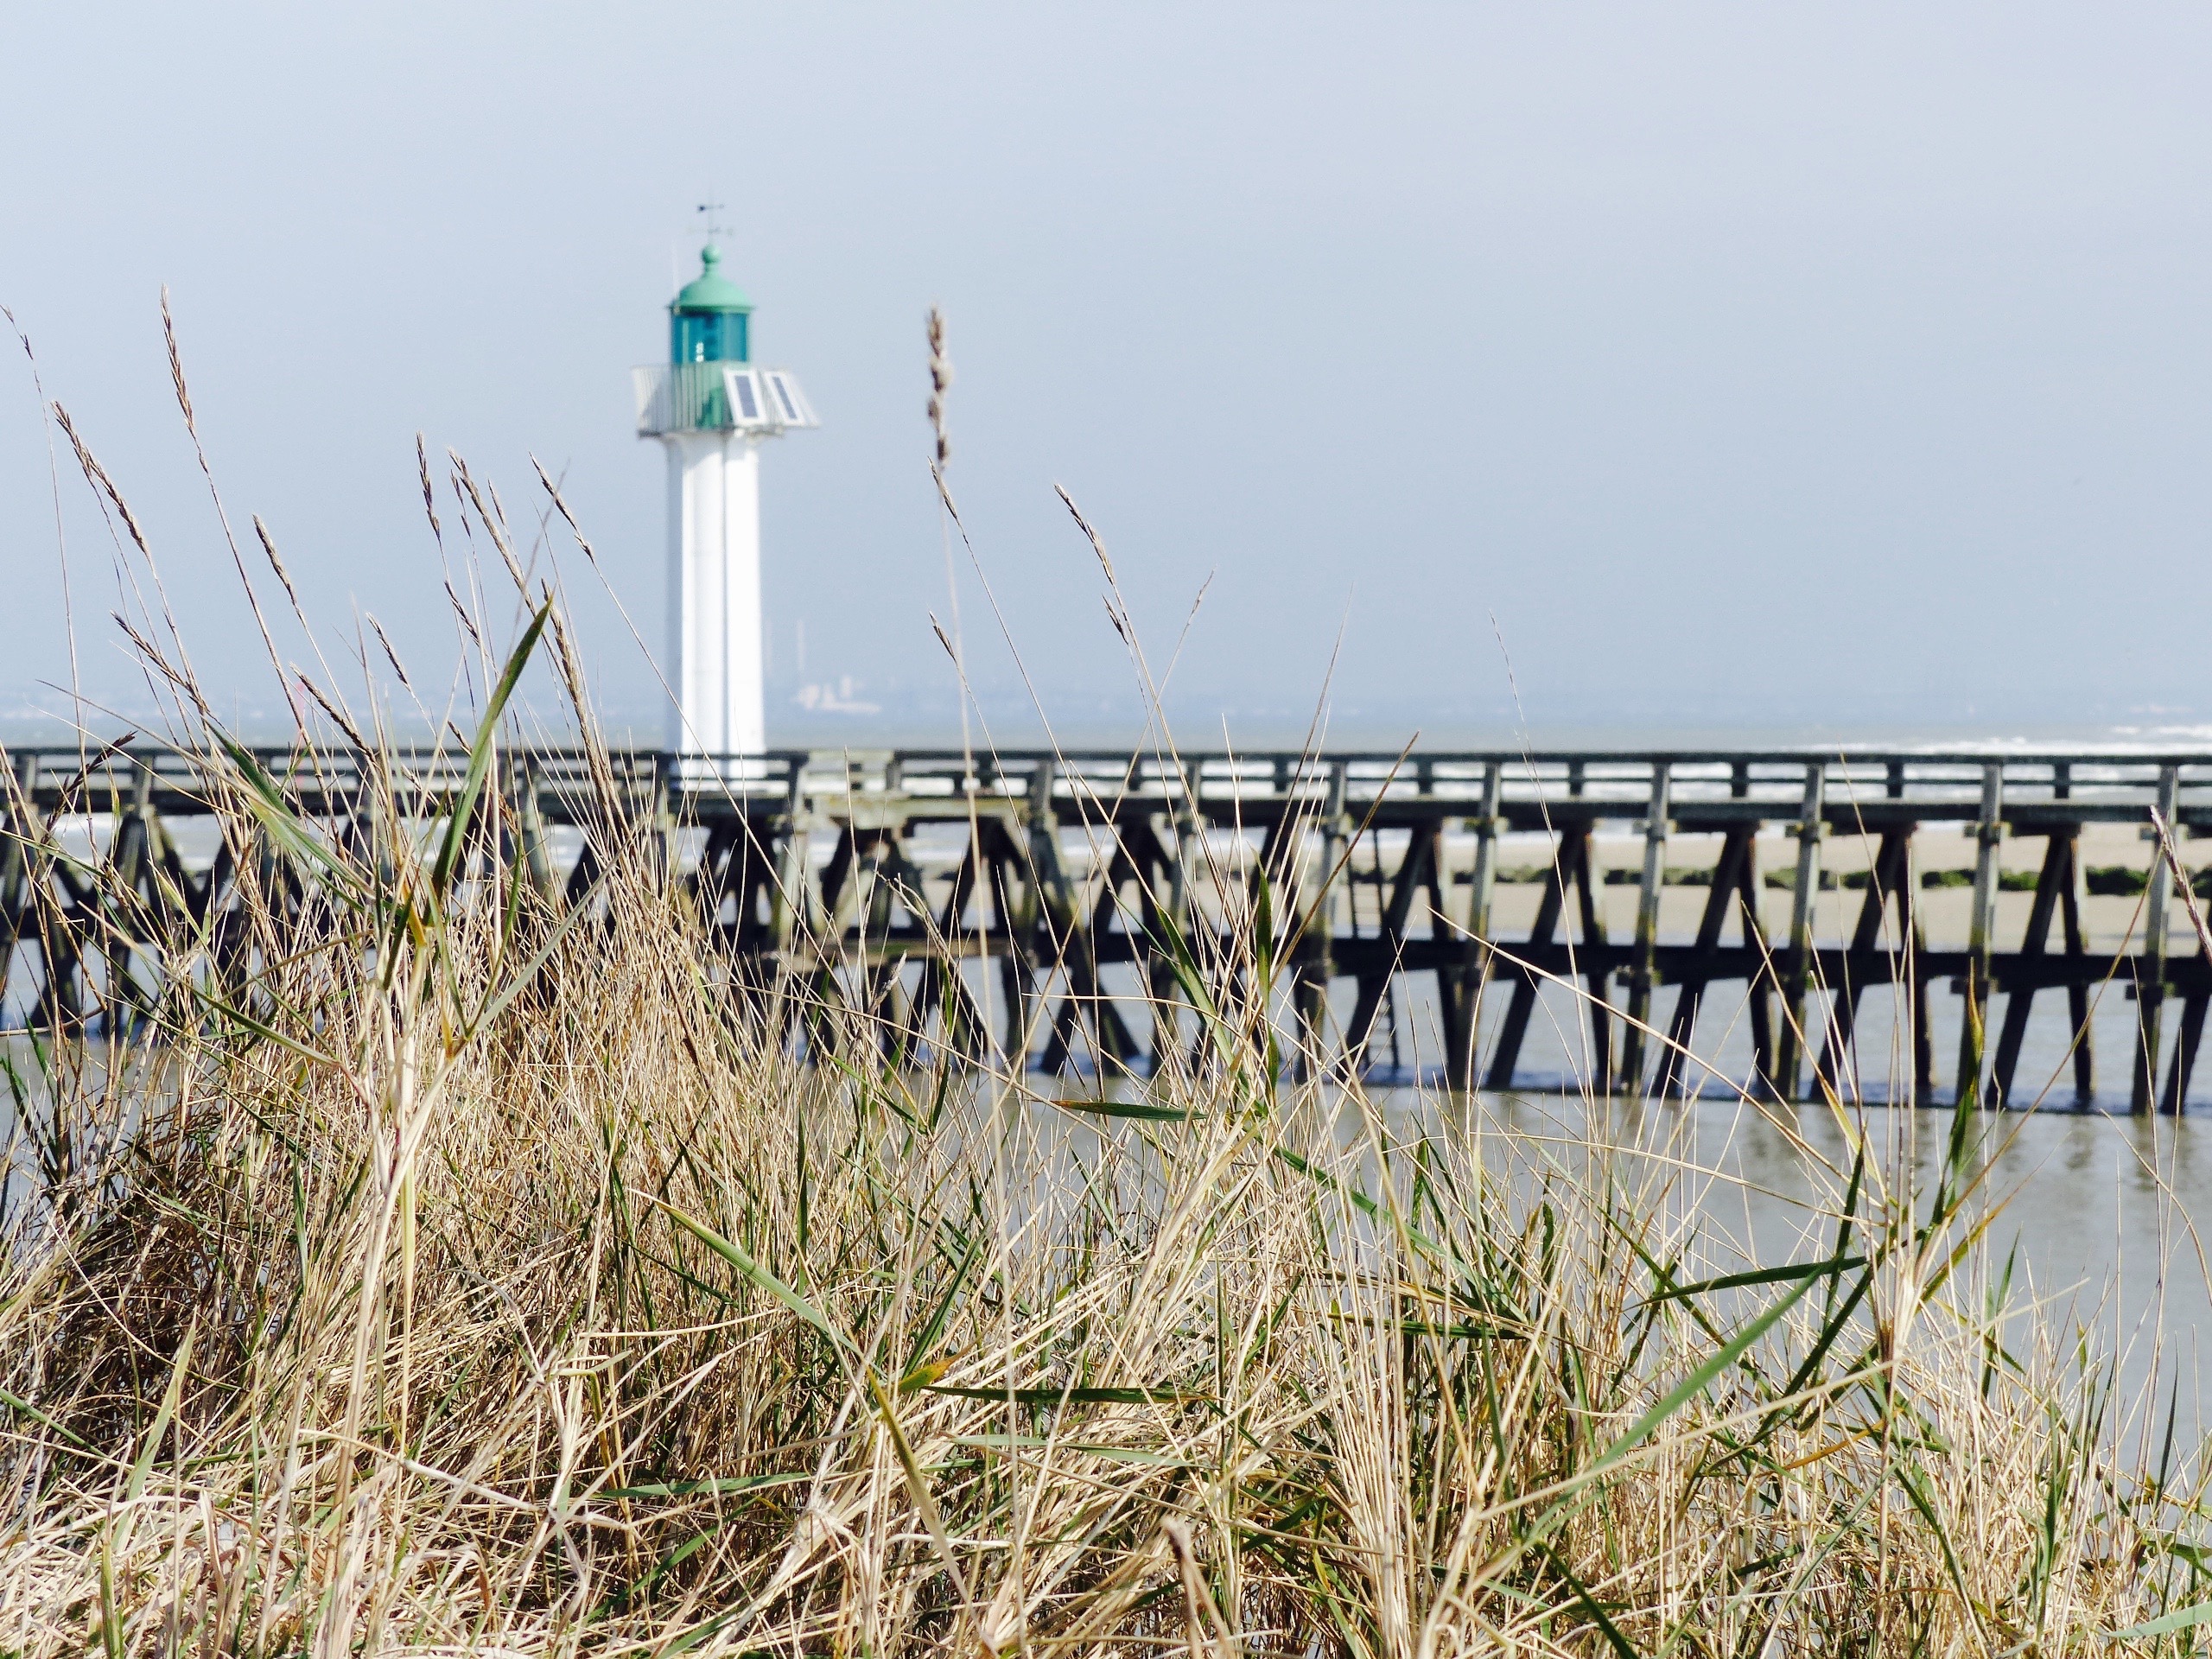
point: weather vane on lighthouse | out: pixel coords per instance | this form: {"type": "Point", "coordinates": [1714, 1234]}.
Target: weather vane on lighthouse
{"type": "Point", "coordinates": [711, 408]}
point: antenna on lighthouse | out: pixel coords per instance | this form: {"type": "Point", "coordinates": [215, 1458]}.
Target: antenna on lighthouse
{"type": "Point", "coordinates": [712, 407]}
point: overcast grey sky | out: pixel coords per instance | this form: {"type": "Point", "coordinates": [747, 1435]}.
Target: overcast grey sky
{"type": "Point", "coordinates": [1768, 367]}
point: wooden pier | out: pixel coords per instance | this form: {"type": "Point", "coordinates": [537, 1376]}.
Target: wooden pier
{"type": "Point", "coordinates": [1073, 910]}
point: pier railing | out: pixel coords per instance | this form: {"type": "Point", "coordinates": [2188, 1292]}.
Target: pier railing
{"type": "Point", "coordinates": [1033, 904]}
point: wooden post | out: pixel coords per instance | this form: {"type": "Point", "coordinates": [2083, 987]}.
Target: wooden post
{"type": "Point", "coordinates": [1044, 908]}
{"type": "Point", "coordinates": [1319, 965]}
{"type": "Point", "coordinates": [792, 915]}
{"type": "Point", "coordinates": [2070, 900]}
{"type": "Point", "coordinates": [1482, 890]}
{"type": "Point", "coordinates": [1474, 958]}
{"type": "Point", "coordinates": [2186, 1044]}
{"type": "Point", "coordinates": [45, 905]}
{"type": "Point", "coordinates": [1792, 1040]}
{"type": "Point", "coordinates": [1922, 1026]}
{"type": "Point", "coordinates": [1179, 781]}
{"type": "Point", "coordinates": [1990, 833]}
{"type": "Point", "coordinates": [530, 820]}
{"type": "Point", "coordinates": [138, 879]}
{"type": "Point", "coordinates": [1596, 962]}
{"type": "Point", "coordinates": [667, 841]}
{"type": "Point", "coordinates": [18, 826]}
{"type": "Point", "coordinates": [1643, 973]}
{"type": "Point", "coordinates": [2150, 969]}
{"type": "Point", "coordinates": [1759, 1002]}
{"type": "Point", "coordinates": [1052, 903]}
{"type": "Point", "coordinates": [1189, 832]}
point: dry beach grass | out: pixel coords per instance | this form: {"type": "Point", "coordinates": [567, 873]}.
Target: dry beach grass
{"type": "Point", "coordinates": [448, 1272]}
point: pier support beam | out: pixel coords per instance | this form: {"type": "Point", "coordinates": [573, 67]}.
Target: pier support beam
{"type": "Point", "coordinates": [2151, 974]}
{"type": "Point", "coordinates": [1588, 960]}
{"type": "Point", "coordinates": [2058, 890]}
{"type": "Point", "coordinates": [1643, 971]}
{"type": "Point", "coordinates": [1735, 886]}
{"type": "Point", "coordinates": [1891, 879]}
{"type": "Point", "coordinates": [1319, 965]}
{"type": "Point", "coordinates": [18, 833]}
{"type": "Point", "coordinates": [1990, 835]}
{"type": "Point", "coordinates": [1790, 1040]}
{"type": "Point", "coordinates": [1463, 1034]}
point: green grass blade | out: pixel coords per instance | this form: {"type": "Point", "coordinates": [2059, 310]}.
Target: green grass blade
{"type": "Point", "coordinates": [264, 798]}
{"type": "Point", "coordinates": [1141, 1111]}
{"type": "Point", "coordinates": [1598, 1617]}
{"type": "Point", "coordinates": [1108, 1396]}
{"type": "Point", "coordinates": [1789, 1274]}
{"type": "Point", "coordinates": [480, 753]}
{"type": "Point", "coordinates": [2181, 1618]}
{"type": "Point", "coordinates": [737, 1256]}
{"type": "Point", "coordinates": [163, 1418]}
{"type": "Point", "coordinates": [1701, 1379]}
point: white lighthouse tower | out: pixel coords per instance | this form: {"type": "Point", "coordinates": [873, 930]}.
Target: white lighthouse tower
{"type": "Point", "coordinates": [712, 408]}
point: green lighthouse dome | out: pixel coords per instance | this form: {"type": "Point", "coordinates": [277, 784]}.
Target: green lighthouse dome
{"type": "Point", "coordinates": [710, 320]}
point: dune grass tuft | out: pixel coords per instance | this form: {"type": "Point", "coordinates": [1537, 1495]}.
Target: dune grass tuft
{"type": "Point", "coordinates": [454, 1270]}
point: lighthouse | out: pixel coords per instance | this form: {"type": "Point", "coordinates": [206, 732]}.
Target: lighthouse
{"type": "Point", "coordinates": [712, 408]}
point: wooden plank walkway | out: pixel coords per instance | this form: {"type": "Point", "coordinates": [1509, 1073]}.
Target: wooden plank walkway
{"type": "Point", "coordinates": [1066, 908]}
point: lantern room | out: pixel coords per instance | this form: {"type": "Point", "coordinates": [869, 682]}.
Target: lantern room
{"type": "Point", "coordinates": [711, 320]}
